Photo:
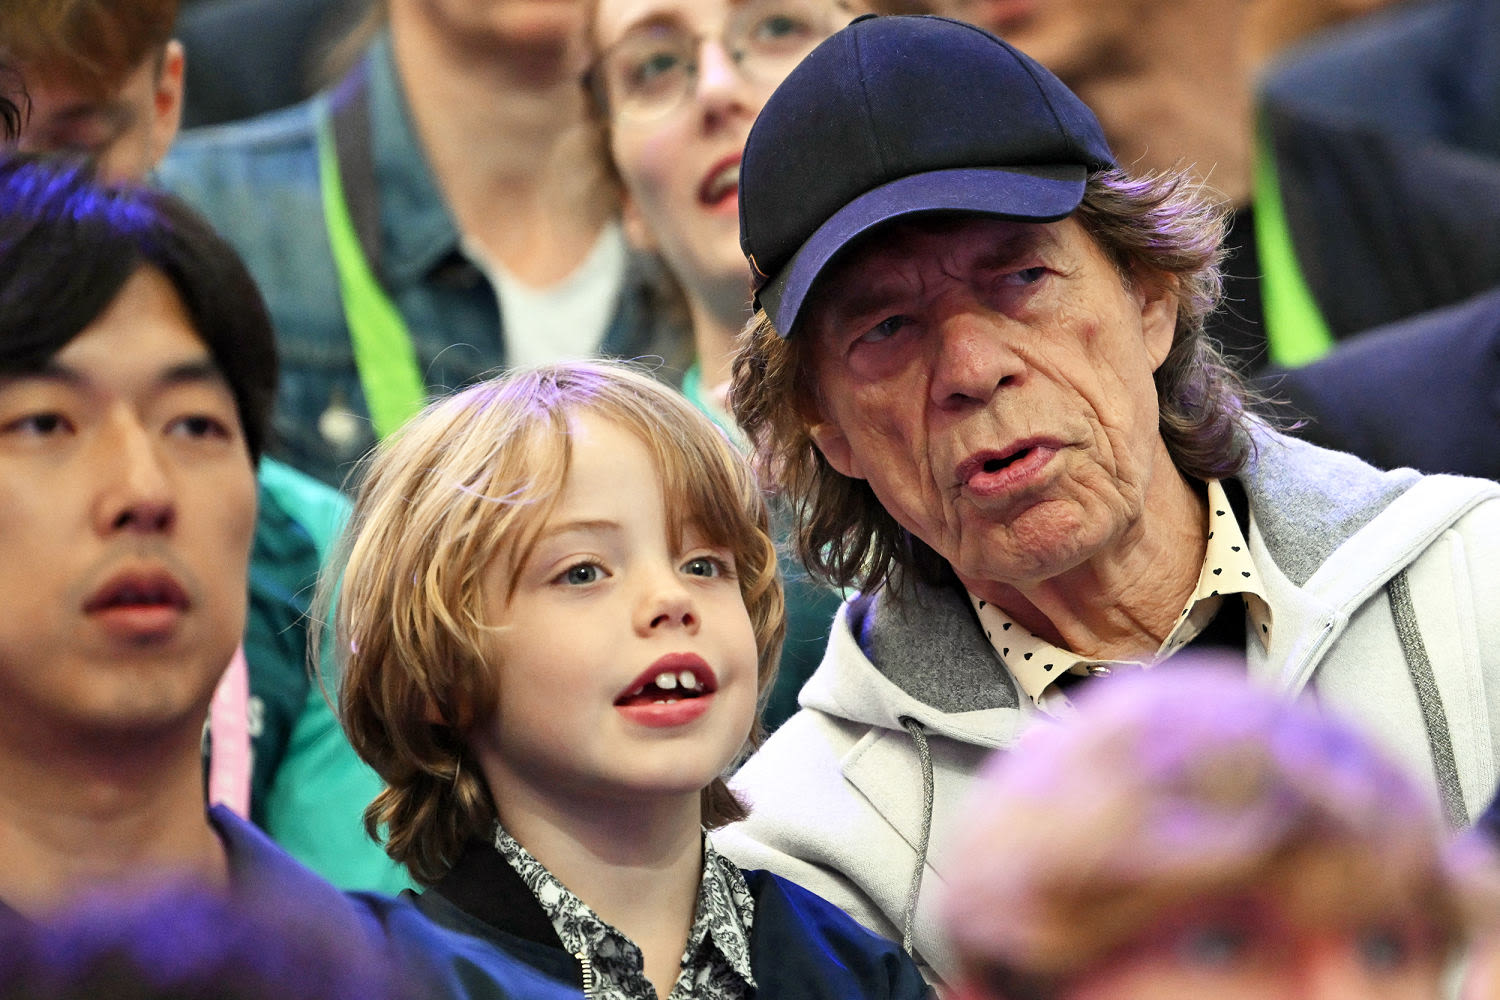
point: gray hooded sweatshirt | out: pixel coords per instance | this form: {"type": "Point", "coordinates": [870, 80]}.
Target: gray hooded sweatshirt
{"type": "Point", "coordinates": [1386, 587]}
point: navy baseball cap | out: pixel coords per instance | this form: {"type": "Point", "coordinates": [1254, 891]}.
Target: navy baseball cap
{"type": "Point", "coordinates": [894, 116]}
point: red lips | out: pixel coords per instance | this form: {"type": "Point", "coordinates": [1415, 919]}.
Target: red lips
{"type": "Point", "coordinates": [721, 183]}
{"type": "Point", "coordinates": [673, 677]}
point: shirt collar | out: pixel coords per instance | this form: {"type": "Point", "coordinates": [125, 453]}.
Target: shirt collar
{"type": "Point", "coordinates": [417, 230]}
{"type": "Point", "coordinates": [726, 912]}
{"type": "Point", "coordinates": [724, 915]}
{"type": "Point", "coordinates": [1228, 568]}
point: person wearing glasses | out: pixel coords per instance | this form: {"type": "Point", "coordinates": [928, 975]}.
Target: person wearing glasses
{"type": "Point", "coordinates": [677, 84]}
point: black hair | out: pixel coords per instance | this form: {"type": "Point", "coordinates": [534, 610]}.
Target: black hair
{"type": "Point", "coordinates": [68, 245]}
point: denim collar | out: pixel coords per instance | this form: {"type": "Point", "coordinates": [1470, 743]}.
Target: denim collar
{"type": "Point", "coordinates": [417, 230]}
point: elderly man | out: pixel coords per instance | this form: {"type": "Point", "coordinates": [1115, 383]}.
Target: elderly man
{"type": "Point", "coordinates": [978, 368]}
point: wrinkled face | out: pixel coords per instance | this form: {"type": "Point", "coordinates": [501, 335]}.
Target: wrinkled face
{"type": "Point", "coordinates": [684, 80]}
{"type": "Point", "coordinates": [126, 132]}
{"type": "Point", "coordinates": [992, 382]}
{"type": "Point", "coordinates": [1248, 948]}
{"type": "Point", "coordinates": [127, 504]}
{"type": "Point", "coordinates": [627, 662]}
{"type": "Point", "coordinates": [1072, 38]}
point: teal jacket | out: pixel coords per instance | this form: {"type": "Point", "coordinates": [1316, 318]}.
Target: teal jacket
{"type": "Point", "coordinates": [308, 788]}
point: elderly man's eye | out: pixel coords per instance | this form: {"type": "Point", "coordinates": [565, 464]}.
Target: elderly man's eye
{"type": "Point", "coordinates": [1026, 276]}
{"type": "Point", "coordinates": [884, 330]}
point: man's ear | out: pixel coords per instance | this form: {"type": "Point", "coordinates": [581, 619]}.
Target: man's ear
{"type": "Point", "coordinates": [166, 106]}
{"type": "Point", "coordinates": [1157, 294]}
{"type": "Point", "coordinates": [834, 445]}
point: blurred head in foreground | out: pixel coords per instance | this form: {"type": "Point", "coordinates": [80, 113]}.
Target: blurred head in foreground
{"type": "Point", "coordinates": [189, 944]}
{"type": "Point", "coordinates": [1189, 835]}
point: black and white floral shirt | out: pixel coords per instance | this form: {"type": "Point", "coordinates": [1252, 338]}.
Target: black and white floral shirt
{"type": "Point", "coordinates": [715, 963]}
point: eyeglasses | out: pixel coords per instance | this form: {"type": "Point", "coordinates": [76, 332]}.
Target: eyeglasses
{"type": "Point", "coordinates": [652, 69]}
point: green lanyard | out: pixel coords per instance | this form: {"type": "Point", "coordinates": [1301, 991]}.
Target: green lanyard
{"type": "Point", "coordinates": [383, 351]}
{"type": "Point", "coordinates": [1296, 332]}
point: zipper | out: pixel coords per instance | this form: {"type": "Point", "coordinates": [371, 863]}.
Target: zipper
{"type": "Point", "coordinates": [1305, 666]}
{"type": "Point", "coordinates": [586, 969]}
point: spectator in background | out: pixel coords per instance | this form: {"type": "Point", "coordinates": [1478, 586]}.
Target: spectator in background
{"type": "Point", "coordinates": [13, 104]}
{"type": "Point", "coordinates": [104, 78]}
{"type": "Point", "coordinates": [254, 56]}
{"type": "Point", "coordinates": [441, 211]}
{"type": "Point", "coordinates": [108, 88]}
{"type": "Point", "coordinates": [1187, 835]}
{"type": "Point", "coordinates": [1387, 141]}
{"type": "Point", "coordinates": [1423, 393]}
{"type": "Point", "coordinates": [1385, 137]}
{"type": "Point", "coordinates": [1276, 25]}
{"type": "Point", "coordinates": [1388, 152]}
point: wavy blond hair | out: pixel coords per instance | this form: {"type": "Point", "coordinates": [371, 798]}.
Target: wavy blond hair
{"type": "Point", "coordinates": [478, 474]}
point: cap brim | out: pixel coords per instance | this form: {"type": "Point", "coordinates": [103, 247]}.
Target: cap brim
{"type": "Point", "coordinates": [1026, 194]}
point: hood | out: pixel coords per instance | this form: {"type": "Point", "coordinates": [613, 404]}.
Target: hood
{"type": "Point", "coordinates": [935, 668]}
{"type": "Point", "coordinates": [923, 656]}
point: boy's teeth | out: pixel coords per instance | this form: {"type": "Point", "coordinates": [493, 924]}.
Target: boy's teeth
{"type": "Point", "coordinates": [689, 680]}
{"type": "Point", "coordinates": [666, 680]}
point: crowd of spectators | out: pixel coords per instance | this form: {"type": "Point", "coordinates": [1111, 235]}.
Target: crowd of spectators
{"type": "Point", "coordinates": [667, 498]}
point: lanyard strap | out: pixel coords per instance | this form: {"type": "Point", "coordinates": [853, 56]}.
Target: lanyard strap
{"type": "Point", "coordinates": [229, 762]}
{"type": "Point", "coordinates": [1296, 332]}
{"type": "Point", "coordinates": [384, 354]}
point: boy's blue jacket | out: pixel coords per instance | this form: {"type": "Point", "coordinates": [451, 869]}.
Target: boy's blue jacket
{"type": "Point", "coordinates": [801, 945]}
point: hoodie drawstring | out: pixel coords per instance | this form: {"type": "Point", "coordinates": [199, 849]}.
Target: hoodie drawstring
{"type": "Point", "coordinates": [924, 755]}
{"type": "Point", "coordinates": [1439, 739]}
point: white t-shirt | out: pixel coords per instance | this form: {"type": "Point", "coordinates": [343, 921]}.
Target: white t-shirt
{"type": "Point", "coordinates": [565, 320]}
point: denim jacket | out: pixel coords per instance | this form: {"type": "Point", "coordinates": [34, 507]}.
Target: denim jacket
{"type": "Point", "coordinates": [257, 182]}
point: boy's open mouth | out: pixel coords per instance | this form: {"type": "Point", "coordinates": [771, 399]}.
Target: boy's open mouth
{"type": "Point", "coordinates": [672, 678]}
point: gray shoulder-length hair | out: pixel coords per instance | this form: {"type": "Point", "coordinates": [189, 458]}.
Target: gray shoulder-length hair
{"type": "Point", "coordinates": [1159, 225]}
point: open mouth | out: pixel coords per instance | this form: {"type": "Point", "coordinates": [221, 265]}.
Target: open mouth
{"type": "Point", "coordinates": [992, 465]}
{"type": "Point", "coordinates": [989, 470]}
{"type": "Point", "coordinates": [666, 686]}
{"type": "Point", "coordinates": [722, 183]}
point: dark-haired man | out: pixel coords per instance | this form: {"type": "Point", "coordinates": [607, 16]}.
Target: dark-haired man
{"type": "Point", "coordinates": [104, 78]}
{"type": "Point", "coordinates": [137, 370]}
{"type": "Point", "coordinates": [137, 373]}
{"type": "Point", "coordinates": [978, 367]}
